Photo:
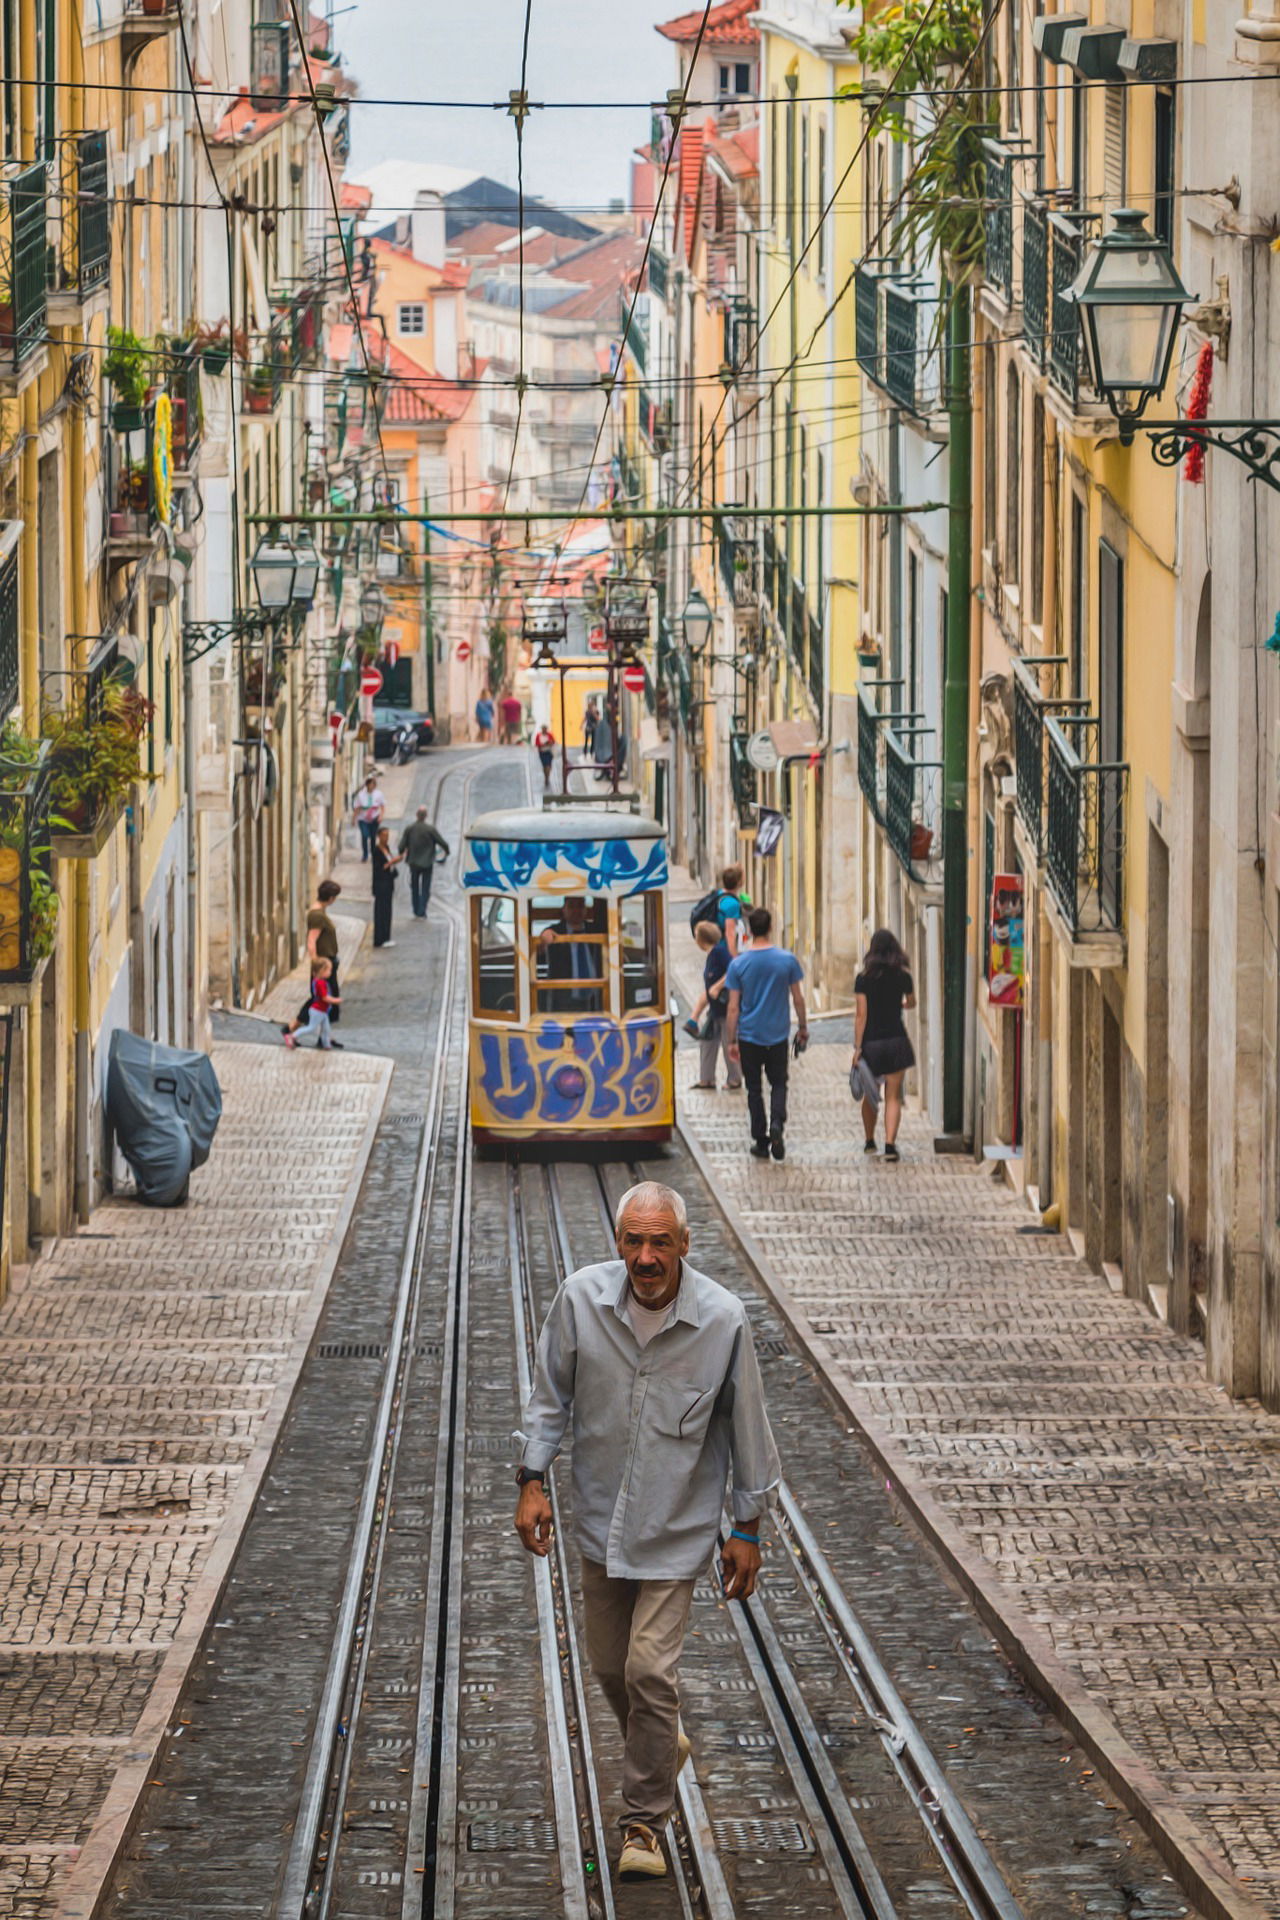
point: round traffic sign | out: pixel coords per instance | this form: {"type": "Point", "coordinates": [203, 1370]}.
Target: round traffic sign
{"type": "Point", "coordinates": [762, 753]}
{"type": "Point", "coordinates": [370, 681]}
{"type": "Point", "coordinates": [463, 649]}
{"type": "Point", "coordinates": [633, 679]}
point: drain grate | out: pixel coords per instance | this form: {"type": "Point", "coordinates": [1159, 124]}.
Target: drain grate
{"type": "Point", "coordinates": [771, 1346]}
{"type": "Point", "coordinates": [511, 1836]}
{"type": "Point", "coordinates": [762, 1836]}
{"type": "Point", "coordinates": [351, 1350]}
{"type": "Point", "coordinates": [406, 1120]}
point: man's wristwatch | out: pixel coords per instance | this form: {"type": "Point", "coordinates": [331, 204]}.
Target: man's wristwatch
{"type": "Point", "coordinates": [525, 1474]}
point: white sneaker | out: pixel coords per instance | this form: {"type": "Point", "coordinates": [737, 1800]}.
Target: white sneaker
{"type": "Point", "coordinates": [641, 1857]}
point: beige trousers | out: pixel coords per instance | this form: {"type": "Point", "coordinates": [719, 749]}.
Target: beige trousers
{"type": "Point", "coordinates": [635, 1633]}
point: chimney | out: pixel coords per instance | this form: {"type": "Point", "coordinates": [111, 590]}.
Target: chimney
{"type": "Point", "coordinates": [427, 228]}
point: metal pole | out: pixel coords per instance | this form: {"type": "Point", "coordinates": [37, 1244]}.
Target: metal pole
{"type": "Point", "coordinates": [428, 625]}
{"type": "Point", "coordinates": [955, 728]}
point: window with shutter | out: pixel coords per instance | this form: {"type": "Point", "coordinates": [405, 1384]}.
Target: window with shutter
{"type": "Point", "coordinates": [1115, 116]}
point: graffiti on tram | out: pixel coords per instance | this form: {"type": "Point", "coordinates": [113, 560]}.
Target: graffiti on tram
{"type": "Point", "coordinates": [588, 1073]}
{"type": "Point", "coordinates": [567, 866]}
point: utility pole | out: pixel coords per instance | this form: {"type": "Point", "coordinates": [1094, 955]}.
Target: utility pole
{"type": "Point", "coordinates": [955, 728]}
{"type": "Point", "coordinates": [428, 624]}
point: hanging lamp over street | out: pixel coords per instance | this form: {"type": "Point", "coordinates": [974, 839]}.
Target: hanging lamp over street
{"type": "Point", "coordinates": [274, 568]}
{"type": "Point", "coordinates": [1130, 300]}
{"type": "Point", "coordinates": [696, 622]}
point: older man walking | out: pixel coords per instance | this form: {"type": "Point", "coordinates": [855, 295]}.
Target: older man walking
{"type": "Point", "coordinates": [653, 1365]}
{"type": "Point", "coordinates": [422, 845]}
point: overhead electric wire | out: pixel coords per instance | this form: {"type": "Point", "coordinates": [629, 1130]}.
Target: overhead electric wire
{"type": "Point", "coordinates": [519, 110]}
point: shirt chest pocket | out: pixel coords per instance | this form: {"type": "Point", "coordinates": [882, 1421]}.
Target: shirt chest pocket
{"type": "Point", "coordinates": [681, 1409]}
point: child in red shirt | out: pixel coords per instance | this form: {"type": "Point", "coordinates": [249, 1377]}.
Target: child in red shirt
{"type": "Point", "coordinates": [316, 1009]}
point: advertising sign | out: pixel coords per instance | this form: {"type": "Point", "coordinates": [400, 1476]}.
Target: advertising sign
{"type": "Point", "coordinates": [1005, 941]}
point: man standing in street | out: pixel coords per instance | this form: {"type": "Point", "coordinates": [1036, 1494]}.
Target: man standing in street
{"type": "Point", "coordinates": [761, 983]}
{"type": "Point", "coordinates": [653, 1365]}
{"type": "Point", "coordinates": [370, 805]}
{"type": "Point", "coordinates": [421, 846]}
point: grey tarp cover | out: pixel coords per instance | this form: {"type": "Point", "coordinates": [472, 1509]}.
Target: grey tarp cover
{"type": "Point", "coordinates": [164, 1105]}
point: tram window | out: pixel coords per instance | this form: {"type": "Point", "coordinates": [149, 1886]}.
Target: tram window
{"type": "Point", "coordinates": [638, 927]}
{"type": "Point", "coordinates": [493, 947]}
{"type": "Point", "coordinates": [570, 939]}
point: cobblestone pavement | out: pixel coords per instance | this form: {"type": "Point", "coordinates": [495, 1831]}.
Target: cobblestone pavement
{"type": "Point", "coordinates": [145, 1366]}
{"type": "Point", "coordinates": [1114, 1515]}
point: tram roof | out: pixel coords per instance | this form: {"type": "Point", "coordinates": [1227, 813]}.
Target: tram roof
{"type": "Point", "coordinates": [531, 824]}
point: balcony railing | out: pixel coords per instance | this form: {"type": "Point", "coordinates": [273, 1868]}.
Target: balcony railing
{"type": "Point", "coordinates": [738, 568]}
{"type": "Point", "coordinates": [1037, 693]}
{"type": "Point", "coordinates": [306, 323]}
{"type": "Point", "coordinates": [131, 492]}
{"type": "Point", "coordinates": [658, 272]}
{"type": "Point", "coordinates": [872, 722]}
{"type": "Point", "coordinates": [80, 260]}
{"type": "Point", "coordinates": [188, 416]}
{"type": "Point", "coordinates": [10, 630]}
{"type": "Point", "coordinates": [267, 369]}
{"type": "Point", "coordinates": [911, 364]}
{"type": "Point", "coordinates": [23, 265]}
{"type": "Point", "coordinates": [1064, 340]}
{"type": "Point", "coordinates": [913, 802]}
{"type": "Point", "coordinates": [28, 902]}
{"type": "Point", "coordinates": [1085, 836]}
{"type": "Point", "coordinates": [997, 218]}
{"type": "Point", "coordinates": [868, 320]}
{"type": "Point", "coordinates": [1035, 279]}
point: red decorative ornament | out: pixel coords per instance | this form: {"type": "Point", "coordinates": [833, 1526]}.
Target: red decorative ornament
{"type": "Point", "coordinates": [1197, 408]}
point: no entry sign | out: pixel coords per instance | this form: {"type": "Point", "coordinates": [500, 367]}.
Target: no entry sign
{"type": "Point", "coordinates": [633, 679]}
{"type": "Point", "coordinates": [463, 649]}
{"type": "Point", "coordinates": [370, 682]}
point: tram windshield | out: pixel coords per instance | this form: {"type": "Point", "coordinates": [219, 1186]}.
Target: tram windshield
{"type": "Point", "coordinates": [570, 939]}
{"type": "Point", "coordinates": [639, 926]}
{"type": "Point", "coordinates": [493, 937]}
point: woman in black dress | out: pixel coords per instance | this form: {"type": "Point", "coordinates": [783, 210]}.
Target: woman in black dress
{"type": "Point", "coordinates": [384, 887]}
{"type": "Point", "coordinates": [882, 990]}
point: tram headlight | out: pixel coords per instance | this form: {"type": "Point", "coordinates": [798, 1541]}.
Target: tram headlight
{"type": "Point", "coordinates": [569, 1082]}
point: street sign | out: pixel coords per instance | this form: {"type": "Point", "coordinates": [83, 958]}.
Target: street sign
{"type": "Point", "coordinates": [633, 679]}
{"type": "Point", "coordinates": [337, 727]}
{"type": "Point", "coordinates": [370, 681]}
{"type": "Point", "coordinates": [391, 652]}
{"type": "Point", "coordinates": [762, 753]}
{"type": "Point", "coordinates": [598, 640]}
{"type": "Point", "coordinates": [463, 650]}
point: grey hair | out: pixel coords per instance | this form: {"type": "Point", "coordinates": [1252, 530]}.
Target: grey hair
{"type": "Point", "coordinates": [656, 1195]}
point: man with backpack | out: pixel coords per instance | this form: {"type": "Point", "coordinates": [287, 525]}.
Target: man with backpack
{"type": "Point", "coordinates": [723, 907]}
{"type": "Point", "coordinates": [763, 985]}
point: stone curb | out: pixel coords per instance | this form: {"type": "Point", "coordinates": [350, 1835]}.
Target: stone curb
{"type": "Point", "coordinates": [82, 1896]}
{"type": "Point", "coordinates": [1200, 1872]}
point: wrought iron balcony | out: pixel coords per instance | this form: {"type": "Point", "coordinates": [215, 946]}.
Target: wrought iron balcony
{"type": "Point", "coordinates": [1035, 279]}
{"type": "Point", "coordinates": [658, 272]}
{"type": "Point", "coordinates": [1066, 251]}
{"type": "Point", "coordinates": [1037, 693]}
{"type": "Point", "coordinates": [997, 218]}
{"type": "Point", "coordinates": [306, 323]}
{"type": "Point", "coordinates": [10, 628]}
{"type": "Point", "coordinates": [267, 370]}
{"type": "Point", "coordinates": [1085, 831]}
{"type": "Point", "coordinates": [28, 902]}
{"type": "Point", "coordinates": [911, 365]}
{"type": "Point", "coordinates": [913, 802]}
{"type": "Point", "coordinates": [131, 489]}
{"type": "Point", "coordinates": [79, 260]}
{"type": "Point", "coordinates": [738, 562]}
{"type": "Point", "coordinates": [23, 265]}
{"type": "Point", "coordinates": [872, 722]}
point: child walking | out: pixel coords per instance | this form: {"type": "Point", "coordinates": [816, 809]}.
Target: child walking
{"type": "Point", "coordinates": [317, 1010]}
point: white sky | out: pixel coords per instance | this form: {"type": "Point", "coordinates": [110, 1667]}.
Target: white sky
{"type": "Point", "coordinates": [470, 50]}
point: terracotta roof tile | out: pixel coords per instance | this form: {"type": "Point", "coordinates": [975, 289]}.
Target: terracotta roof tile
{"type": "Point", "coordinates": [727, 25]}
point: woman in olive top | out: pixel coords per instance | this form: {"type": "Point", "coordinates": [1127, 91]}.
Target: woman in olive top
{"type": "Point", "coordinates": [322, 937]}
{"type": "Point", "coordinates": [881, 991]}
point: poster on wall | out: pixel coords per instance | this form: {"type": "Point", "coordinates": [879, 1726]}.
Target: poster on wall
{"type": "Point", "coordinates": [1005, 941]}
{"type": "Point", "coordinates": [769, 825]}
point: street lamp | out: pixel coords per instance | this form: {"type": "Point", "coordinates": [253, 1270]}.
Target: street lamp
{"type": "Point", "coordinates": [696, 622]}
{"type": "Point", "coordinates": [307, 573]}
{"type": "Point", "coordinates": [274, 567]}
{"type": "Point", "coordinates": [373, 604]}
{"type": "Point", "coordinates": [1130, 300]}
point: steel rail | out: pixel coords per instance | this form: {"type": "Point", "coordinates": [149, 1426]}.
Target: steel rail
{"type": "Point", "coordinates": [584, 1868]}
{"type": "Point", "coordinates": [328, 1762]}
{"type": "Point", "coordinates": [952, 1833]}
{"type": "Point", "coordinates": [702, 1886]}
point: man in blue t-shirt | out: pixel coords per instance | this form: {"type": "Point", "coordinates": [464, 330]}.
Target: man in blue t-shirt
{"type": "Point", "coordinates": [763, 984]}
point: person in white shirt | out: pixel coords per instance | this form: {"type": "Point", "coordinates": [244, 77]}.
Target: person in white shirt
{"type": "Point", "coordinates": [370, 805]}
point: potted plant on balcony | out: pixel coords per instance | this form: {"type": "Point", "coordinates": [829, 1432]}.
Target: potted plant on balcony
{"type": "Point", "coordinates": [212, 341]}
{"type": "Point", "coordinates": [133, 500]}
{"type": "Point", "coordinates": [260, 389]}
{"type": "Point", "coordinates": [94, 760]}
{"type": "Point", "coordinates": [868, 653]}
{"type": "Point", "coordinates": [128, 368]}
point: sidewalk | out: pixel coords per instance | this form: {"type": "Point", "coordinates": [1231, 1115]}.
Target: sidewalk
{"type": "Point", "coordinates": [1115, 1519]}
{"type": "Point", "coordinates": [145, 1367]}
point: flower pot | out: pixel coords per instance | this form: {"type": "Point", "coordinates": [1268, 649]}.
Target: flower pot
{"type": "Point", "coordinates": [259, 400]}
{"type": "Point", "coordinates": [125, 525]}
{"type": "Point", "coordinates": [868, 659]}
{"type": "Point", "coordinates": [214, 359]}
{"type": "Point", "coordinates": [126, 418]}
{"type": "Point", "coordinates": [155, 6]}
{"type": "Point", "coordinates": [921, 841]}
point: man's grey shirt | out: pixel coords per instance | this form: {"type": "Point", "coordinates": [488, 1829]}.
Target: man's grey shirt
{"type": "Point", "coordinates": [420, 840]}
{"type": "Point", "coordinates": [656, 1429]}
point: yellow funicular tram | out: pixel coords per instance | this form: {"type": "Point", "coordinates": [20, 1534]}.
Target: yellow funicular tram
{"type": "Point", "coordinates": [571, 1036]}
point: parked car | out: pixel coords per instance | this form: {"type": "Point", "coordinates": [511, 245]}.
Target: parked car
{"type": "Point", "coordinates": [387, 722]}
